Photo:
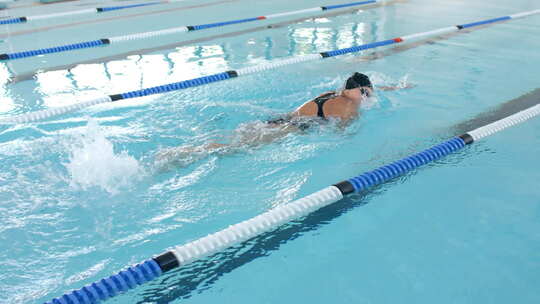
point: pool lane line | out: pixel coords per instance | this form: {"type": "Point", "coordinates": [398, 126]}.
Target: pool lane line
{"type": "Point", "coordinates": [87, 11]}
{"type": "Point", "coordinates": [184, 254]}
{"type": "Point", "coordinates": [44, 114]}
{"type": "Point", "coordinates": [105, 19]}
{"type": "Point", "coordinates": [169, 31]}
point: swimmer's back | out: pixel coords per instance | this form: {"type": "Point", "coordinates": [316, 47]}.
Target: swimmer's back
{"type": "Point", "coordinates": [335, 107]}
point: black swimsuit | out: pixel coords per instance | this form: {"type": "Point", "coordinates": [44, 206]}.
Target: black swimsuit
{"type": "Point", "coordinates": [306, 124]}
{"type": "Point", "coordinates": [320, 102]}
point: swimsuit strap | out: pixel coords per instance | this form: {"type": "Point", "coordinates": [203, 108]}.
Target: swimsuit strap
{"type": "Point", "coordinates": [321, 100]}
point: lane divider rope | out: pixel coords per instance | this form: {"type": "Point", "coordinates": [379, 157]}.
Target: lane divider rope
{"type": "Point", "coordinates": [87, 11]}
{"type": "Point", "coordinates": [236, 234]}
{"type": "Point", "coordinates": [45, 114]}
{"type": "Point", "coordinates": [168, 31]}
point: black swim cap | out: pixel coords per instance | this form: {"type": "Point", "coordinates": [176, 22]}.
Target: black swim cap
{"type": "Point", "coordinates": [358, 80]}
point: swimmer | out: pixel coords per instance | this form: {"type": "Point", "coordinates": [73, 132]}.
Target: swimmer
{"type": "Point", "coordinates": [342, 106]}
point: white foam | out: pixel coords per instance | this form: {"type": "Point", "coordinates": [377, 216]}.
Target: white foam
{"type": "Point", "coordinates": [93, 162]}
{"type": "Point", "coordinates": [403, 82]}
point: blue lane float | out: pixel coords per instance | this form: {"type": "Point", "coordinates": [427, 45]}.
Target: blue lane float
{"type": "Point", "coordinates": [331, 7]}
{"type": "Point", "coordinates": [395, 169]}
{"type": "Point", "coordinates": [359, 48]}
{"type": "Point", "coordinates": [121, 7]}
{"type": "Point", "coordinates": [113, 285]}
{"type": "Point", "coordinates": [484, 22]}
{"type": "Point", "coordinates": [13, 20]}
{"type": "Point", "coordinates": [224, 23]}
{"type": "Point", "coordinates": [63, 48]}
{"type": "Point", "coordinates": [268, 221]}
{"type": "Point", "coordinates": [175, 86]}
{"type": "Point", "coordinates": [168, 31]}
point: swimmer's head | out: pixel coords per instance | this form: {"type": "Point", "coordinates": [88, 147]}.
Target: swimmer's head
{"type": "Point", "coordinates": [358, 80]}
{"type": "Point", "coordinates": [361, 82]}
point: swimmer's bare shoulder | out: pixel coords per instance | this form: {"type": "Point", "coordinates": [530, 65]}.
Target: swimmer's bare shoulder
{"type": "Point", "coordinates": [341, 108]}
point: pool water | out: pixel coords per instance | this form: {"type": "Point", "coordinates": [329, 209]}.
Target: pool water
{"type": "Point", "coordinates": [81, 195]}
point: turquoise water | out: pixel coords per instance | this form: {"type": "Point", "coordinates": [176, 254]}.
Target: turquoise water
{"type": "Point", "coordinates": [81, 197]}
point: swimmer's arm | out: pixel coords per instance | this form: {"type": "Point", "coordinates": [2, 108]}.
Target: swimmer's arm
{"type": "Point", "coordinates": [347, 119]}
{"type": "Point", "coordinates": [264, 135]}
{"type": "Point", "coordinates": [394, 88]}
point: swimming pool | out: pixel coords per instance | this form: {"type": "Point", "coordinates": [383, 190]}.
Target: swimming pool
{"type": "Point", "coordinates": [80, 197]}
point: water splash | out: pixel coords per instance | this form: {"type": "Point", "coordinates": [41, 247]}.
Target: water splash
{"type": "Point", "coordinates": [403, 82]}
{"type": "Point", "coordinates": [381, 79]}
{"type": "Point", "coordinates": [93, 162]}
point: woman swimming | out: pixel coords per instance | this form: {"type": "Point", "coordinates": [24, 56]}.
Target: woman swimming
{"type": "Point", "coordinates": [342, 106]}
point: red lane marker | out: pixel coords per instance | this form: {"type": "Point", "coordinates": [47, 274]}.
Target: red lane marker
{"type": "Point", "coordinates": [398, 39]}
{"type": "Point", "coordinates": [261, 17]}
